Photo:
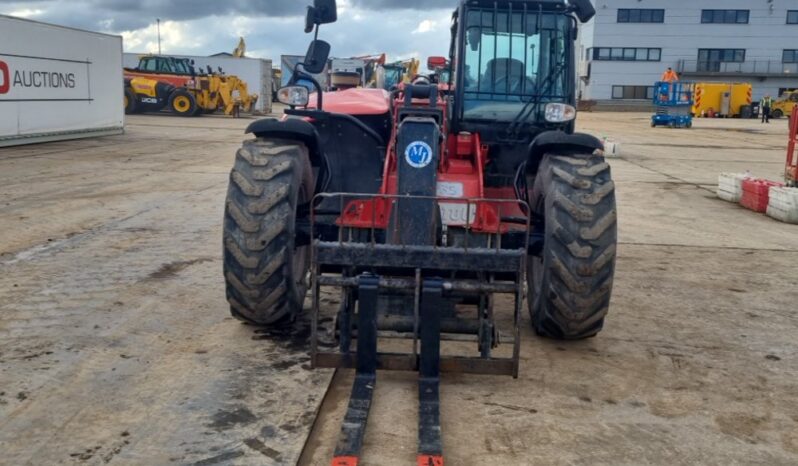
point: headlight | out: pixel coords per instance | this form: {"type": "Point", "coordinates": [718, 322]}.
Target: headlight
{"type": "Point", "coordinates": [294, 95]}
{"type": "Point", "coordinates": [559, 113]}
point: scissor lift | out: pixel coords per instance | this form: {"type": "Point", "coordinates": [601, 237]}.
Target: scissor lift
{"type": "Point", "coordinates": [673, 102]}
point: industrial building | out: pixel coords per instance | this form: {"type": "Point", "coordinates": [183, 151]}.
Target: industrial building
{"type": "Point", "coordinates": [630, 43]}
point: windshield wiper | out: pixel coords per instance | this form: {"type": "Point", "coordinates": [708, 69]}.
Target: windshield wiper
{"type": "Point", "coordinates": [533, 105]}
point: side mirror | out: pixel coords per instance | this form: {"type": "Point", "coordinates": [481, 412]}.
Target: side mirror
{"type": "Point", "coordinates": [322, 12]}
{"type": "Point", "coordinates": [434, 63]}
{"type": "Point", "coordinates": [584, 10]}
{"type": "Point", "coordinates": [316, 58]}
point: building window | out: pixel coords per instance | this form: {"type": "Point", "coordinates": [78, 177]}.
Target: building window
{"type": "Point", "coordinates": [626, 54]}
{"type": "Point", "coordinates": [792, 17]}
{"type": "Point", "coordinates": [725, 16]}
{"type": "Point", "coordinates": [627, 15]}
{"type": "Point", "coordinates": [790, 56]}
{"type": "Point", "coordinates": [633, 92]}
{"type": "Point", "coordinates": [711, 59]}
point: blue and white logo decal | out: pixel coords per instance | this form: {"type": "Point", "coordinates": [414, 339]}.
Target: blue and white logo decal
{"type": "Point", "coordinates": [418, 154]}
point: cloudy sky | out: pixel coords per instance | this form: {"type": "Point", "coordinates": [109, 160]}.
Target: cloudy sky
{"type": "Point", "coordinates": [401, 28]}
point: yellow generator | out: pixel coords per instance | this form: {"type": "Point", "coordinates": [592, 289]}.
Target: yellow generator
{"type": "Point", "coordinates": [721, 99]}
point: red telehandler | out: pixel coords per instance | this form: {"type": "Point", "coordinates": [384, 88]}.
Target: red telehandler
{"type": "Point", "coordinates": [423, 205]}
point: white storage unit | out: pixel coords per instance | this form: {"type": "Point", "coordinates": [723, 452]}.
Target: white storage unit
{"type": "Point", "coordinates": [256, 72]}
{"type": "Point", "coordinates": [783, 204]}
{"type": "Point", "coordinates": [58, 83]}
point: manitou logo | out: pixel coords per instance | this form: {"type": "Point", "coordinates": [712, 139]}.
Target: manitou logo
{"type": "Point", "coordinates": [5, 78]}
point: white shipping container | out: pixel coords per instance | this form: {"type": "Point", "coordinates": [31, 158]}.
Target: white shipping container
{"type": "Point", "coordinates": [58, 83]}
{"type": "Point", "coordinates": [256, 72]}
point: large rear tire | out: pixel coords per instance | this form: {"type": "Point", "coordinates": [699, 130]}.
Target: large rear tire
{"type": "Point", "coordinates": [265, 273]}
{"type": "Point", "coordinates": [571, 281]}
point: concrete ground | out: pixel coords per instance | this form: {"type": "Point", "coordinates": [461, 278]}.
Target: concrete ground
{"type": "Point", "coordinates": [115, 345]}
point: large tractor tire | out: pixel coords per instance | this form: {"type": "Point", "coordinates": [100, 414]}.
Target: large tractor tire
{"type": "Point", "coordinates": [570, 282]}
{"type": "Point", "coordinates": [265, 273]}
{"type": "Point", "coordinates": [183, 103]}
{"type": "Point", "coordinates": [130, 102]}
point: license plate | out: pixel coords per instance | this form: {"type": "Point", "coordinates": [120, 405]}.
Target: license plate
{"type": "Point", "coordinates": [455, 214]}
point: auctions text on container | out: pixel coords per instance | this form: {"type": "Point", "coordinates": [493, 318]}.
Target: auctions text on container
{"type": "Point", "coordinates": [36, 79]}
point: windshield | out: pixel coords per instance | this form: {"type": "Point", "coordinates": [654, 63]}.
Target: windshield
{"type": "Point", "coordinates": [393, 76]}
{"type": "Point", "coordinates": [180, 66]}
{"type": "Point", "coordinates": [511, 58]}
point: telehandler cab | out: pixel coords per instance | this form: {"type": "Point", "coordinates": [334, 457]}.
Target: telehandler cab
{"type": "Point", "coordinates": [423, 205]}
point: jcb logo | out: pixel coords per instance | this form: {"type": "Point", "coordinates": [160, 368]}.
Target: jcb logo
{"type": "Point", "coordinates": [5, 78]}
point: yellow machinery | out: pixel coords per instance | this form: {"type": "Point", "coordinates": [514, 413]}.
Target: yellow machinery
{"type": "Point", "coordinates": [241, 49]}
{"type": "Point", "coordinates": [173, 83]}
{"type": "Point", "coordinates": [234, 94]}
{"type": "Point", "coordinates": [411, 69]}
{"type": "Point", "coordinates": [146, 94]}
{"type": "Point", "coordinates": [392, 74]}
{"type": "Point", "coordinates": [784, 106]}
{"type": "Point", "coordinates": [721, 99]}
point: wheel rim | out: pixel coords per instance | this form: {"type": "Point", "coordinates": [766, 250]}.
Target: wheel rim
{"type": "Point", "coordinates": [182, 104]}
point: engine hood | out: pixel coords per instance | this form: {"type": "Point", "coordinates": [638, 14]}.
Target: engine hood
{"type": "Point", "coordinates": [355, 101]}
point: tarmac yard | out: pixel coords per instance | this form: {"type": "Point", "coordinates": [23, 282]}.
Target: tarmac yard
{"type": "Point", "coordinates": [116, 346]}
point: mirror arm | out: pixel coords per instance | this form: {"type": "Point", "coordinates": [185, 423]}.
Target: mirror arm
{"type": "Point", "coordinates": [308, 77]}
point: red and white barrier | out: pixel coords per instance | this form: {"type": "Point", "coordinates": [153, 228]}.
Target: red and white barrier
{"type": "Point", "coordinates": [756, 194]}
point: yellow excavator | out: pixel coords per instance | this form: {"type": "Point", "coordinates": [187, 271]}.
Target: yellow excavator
{"type": "Point", "coordinates": [234, 93]}
{"type": "Point", "coordinates": [240, 50]}
{"type": "Point", "coordinates": [389, 75]}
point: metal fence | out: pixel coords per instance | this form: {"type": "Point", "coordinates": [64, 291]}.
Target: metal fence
{"type": "Point", "coordinates": [755, 67]}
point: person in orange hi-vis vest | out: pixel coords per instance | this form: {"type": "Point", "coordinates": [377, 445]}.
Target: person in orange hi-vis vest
{"type": "Point", "coordinates": [670, 76]}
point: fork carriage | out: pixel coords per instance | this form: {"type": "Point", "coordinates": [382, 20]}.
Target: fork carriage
{"type": "Point", "coordinates": [463, 267]}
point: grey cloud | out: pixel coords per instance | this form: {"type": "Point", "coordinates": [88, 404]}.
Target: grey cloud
{"type": "Point", "coordinates": [270, 35]}
{"type": "Point", "coordinates": [134, 14]}
{"type": "Point", "coordinates": [123, 15]}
